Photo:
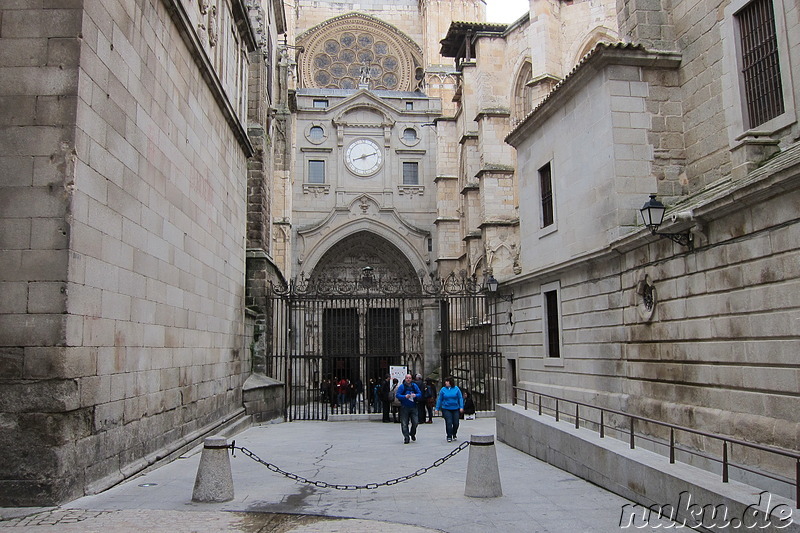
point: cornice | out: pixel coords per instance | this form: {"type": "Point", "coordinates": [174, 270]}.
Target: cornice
{"type": "Point", "coordinates": [182, 22]}
{"type": "Point", "coordinates": [602, 56]}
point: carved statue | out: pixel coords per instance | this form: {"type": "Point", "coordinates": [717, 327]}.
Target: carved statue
{"type": "Point", "coordinates": [364, 71]}
{"type": "Point", "coordinates": [213, 33]}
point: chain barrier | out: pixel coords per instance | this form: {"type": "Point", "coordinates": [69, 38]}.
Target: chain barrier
{"type": "Point", "coordinates": [326, 485]}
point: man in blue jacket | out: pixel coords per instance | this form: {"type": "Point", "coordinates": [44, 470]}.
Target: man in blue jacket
{"type": "Point", "coordinates": [406, 393]}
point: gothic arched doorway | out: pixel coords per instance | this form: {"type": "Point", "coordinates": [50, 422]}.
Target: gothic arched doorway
{"type": "Point", "coordinates": [349, 319]}
{"type": "Point", "coordinates": [359, 311]}
{"type": "Point", "coordinates": [366, 332]}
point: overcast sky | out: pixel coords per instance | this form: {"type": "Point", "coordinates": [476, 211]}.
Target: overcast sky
{"type": "Point", "coordinates": [505, 10]}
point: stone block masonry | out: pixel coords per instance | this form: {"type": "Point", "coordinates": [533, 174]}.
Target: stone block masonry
{"type": "Point", "coordinates": [122, 215]}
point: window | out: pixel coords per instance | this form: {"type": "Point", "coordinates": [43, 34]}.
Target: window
{"type": "Point", "coordinates": [761, 72]}
{"type": "Point", "coordinates": [409, 135]}
{"type": "Point", "coordinates": [409, 106]}
{"type": "Point", "coordinates": [410, 173]}
{"type": "Point", "coordinates": [546, 192]}
{"type": "Point", "coordinates": [316, 171]}
{"type": "Point", "coordinates": [552, 325]}
{"type": "Point", "coordinates": [756, 66]}
{"type": "Point", "coordinates": [320, 104]}
{"type": "Point", "coordinates": [523, 94]}
{"type": "Point", "coordinates": [316, 133]}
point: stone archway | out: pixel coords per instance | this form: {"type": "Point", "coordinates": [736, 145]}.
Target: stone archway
{"type": "Point", "coordinates": [347, 258]}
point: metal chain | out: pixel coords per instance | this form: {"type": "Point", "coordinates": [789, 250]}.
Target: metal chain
{"type": "Point", "coordinates": [326, 485]}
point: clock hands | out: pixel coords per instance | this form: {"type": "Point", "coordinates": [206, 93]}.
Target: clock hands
{"type": "Point", "coordinates": [365, 156]}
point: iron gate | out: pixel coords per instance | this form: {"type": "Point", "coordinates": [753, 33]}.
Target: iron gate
{"type": "Point", "coordinates": [324, 331]}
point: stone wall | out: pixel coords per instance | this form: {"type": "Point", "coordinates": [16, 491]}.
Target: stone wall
{"type": "Point", "coordinates": [718, 351]}
{"type": "Point", "coordinates": [712, 349]}
{"type": "Point", "coordinates": [123, 214]}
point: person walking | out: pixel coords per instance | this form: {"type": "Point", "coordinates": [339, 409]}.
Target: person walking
{"type": "Point", "coordinates": [418, 381]}
{"type": "Point", "coordinates": [430, 400]}
{"type": "Point", "coordinates": [407, 393]}
{"type": "Point", "coordinates": [394, 400]}
{"type": "Point", "coordinates": [469, 406]}
{"type": "Point", "coordinates": [450, 402]}
{"type": "Point", "coordinates": [384, 394]}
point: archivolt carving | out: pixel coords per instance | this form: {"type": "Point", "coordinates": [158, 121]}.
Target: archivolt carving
{"type": "Point", "coordinates": [339, 52]}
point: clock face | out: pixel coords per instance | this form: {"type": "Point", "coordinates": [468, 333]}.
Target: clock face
{"type": "Point", "coordinates": [363, 157]}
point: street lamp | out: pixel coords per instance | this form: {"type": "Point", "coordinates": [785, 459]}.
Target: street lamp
{"type": "Point", "coordinates": [492, 285]}
{"type": "Point", "coordinates": [653, 215]}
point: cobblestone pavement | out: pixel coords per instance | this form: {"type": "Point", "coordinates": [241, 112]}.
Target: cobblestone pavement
{"type": "Point", "coordinates": [158, 521]}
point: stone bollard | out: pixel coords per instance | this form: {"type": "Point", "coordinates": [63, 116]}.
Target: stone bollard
{"type": "Point", "coordinates": [483, 476]}
{"type": "Point", "coordinates": [214, 482]}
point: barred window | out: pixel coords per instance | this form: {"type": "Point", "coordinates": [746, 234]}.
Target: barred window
{"type": "Point", "coordinates": [761, 73]}
{"type": "Point", "coordinates": [546, 192]}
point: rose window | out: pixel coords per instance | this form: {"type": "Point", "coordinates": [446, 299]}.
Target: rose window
{"type": "Point", "coordinates": [345, 52]}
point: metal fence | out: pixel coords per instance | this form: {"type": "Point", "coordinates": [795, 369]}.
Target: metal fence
{"type": "Point", "coordinates": [624, 426]}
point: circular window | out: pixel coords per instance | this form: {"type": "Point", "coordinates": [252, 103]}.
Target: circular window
{"type": "Point", "coordinates": [322, 78]}
{"type": "Point", "coordinates": [315, 133]}
{"type": "Point", "coordinates": [322, 61]}
{"type": "Point", "coordinates": [365, 40]}
{"type": "Point", "coordinates": [409, 134]}
{"type": "Point", "coordinates": [331, 47]}
{"type": "Point", "coordinates": [646, 298]}
{"type": "Point", "coordinates": [381, 48]}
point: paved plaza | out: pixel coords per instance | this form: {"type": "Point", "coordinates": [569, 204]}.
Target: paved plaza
{"type": "Point", "coordinates": [536, 496]}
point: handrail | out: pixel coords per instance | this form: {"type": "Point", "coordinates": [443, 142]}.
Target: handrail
{"type": "Point", "coordinates": [726, 441]}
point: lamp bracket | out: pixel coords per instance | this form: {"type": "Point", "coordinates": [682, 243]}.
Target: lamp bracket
{"type": "Point", "coordinates": [684, 239]}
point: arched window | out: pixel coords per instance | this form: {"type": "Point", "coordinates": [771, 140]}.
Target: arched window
{"type": "Point", "coordinates": [523, 95]}
{"type": "Point", "coordinates": [316, 133]}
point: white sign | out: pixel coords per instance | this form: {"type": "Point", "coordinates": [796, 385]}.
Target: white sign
{"type": "Point", "coordinates": [398, 372]}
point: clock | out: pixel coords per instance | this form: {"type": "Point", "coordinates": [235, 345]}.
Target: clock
{"type": "Point", "coordinates": [363, 157]}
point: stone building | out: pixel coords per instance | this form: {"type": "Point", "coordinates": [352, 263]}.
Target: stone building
{"type": "Point", "coordinates": [696, 104]}
{"type": "Point", "coordinates": [128, 144]}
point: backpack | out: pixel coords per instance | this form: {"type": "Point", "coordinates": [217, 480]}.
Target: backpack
{"type": "Point", "coordinates": [390, 392]}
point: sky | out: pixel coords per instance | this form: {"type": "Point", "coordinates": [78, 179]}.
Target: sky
{"type": "Point", "coordinates": [505, 10]}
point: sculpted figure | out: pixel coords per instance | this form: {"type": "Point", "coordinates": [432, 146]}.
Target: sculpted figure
{"type": "Point", "coordinates": [213, 34]}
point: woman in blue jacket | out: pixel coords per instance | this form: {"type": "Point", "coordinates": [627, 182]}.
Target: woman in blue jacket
{"type": "Point", "coordinates": [450, 402]}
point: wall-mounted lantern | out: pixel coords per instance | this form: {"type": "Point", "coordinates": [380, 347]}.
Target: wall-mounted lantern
{"type": "Point", "coordinates": [653, 216]}
{"type": "Point", "coordinates": [492, 285]}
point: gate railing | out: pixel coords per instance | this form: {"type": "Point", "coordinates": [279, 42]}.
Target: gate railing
{"type": "Point", "coordinates": [571, 409]}
{"type": "Point", "coordinates": [323, 328]}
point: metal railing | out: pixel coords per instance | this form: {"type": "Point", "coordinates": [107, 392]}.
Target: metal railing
{"type": "Point", "coordinates": [557, 405]}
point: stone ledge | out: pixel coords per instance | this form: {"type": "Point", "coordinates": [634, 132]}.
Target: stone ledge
{"type": "Point", "coordinates": [641, 476]}
{"type": "Point", "coordinates": [356, 417]}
